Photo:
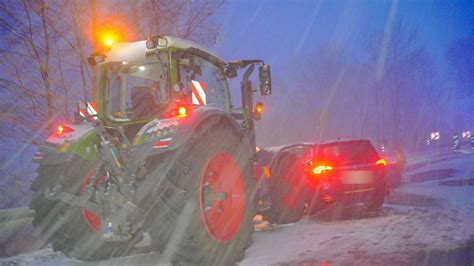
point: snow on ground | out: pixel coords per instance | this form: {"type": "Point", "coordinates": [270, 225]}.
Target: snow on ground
{"type": "Point", "coordinates": [428, 221]}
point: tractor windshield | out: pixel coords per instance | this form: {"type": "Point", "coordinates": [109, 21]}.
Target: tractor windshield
{"type": "Point", "coordinates": [136, 91]}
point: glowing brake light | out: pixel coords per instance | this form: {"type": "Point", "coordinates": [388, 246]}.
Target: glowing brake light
{"type": "Point", "coordinates": [64, 129]}
{"type": "Point", "coordinates": [321, 169]}
{"type": "Point", "coordinates": [259, 107]}
{"type": "Point", "coordinates": [182, 111]}
{"type": "Point", "coordinates": [381, 162]}
{"type": "Point", "coordinates": [266, 171]}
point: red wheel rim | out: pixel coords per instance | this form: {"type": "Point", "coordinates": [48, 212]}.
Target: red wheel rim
{"type": "Point", "coordinates": [292, 193]}
{"type": "Point", "coordinates": [222, 197]}
{"type": "Point", "coordinates": [91, 218]}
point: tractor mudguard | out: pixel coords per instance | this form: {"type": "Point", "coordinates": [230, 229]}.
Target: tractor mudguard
{"type": "Point", "coordinates": [198, 119]}
{"type": "Point", "coordinates": [78, 140]}
{"type": "Point", "coordinates": [162, 135]}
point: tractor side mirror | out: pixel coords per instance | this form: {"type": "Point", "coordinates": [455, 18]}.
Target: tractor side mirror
{"type": "Point", "coordinates": [265, 80]}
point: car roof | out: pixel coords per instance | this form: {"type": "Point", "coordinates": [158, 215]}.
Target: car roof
{"type": "Point", "coordinates": [311, 144]}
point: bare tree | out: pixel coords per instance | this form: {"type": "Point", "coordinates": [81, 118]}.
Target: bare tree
{"type": "Point", "coordinates": [404, 85]}
{"type": "Point", "coordinates": [43, 53]}
{"type": "Point", "coordinates": [460, 56]}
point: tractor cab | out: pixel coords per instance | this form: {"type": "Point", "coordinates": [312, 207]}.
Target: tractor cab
{"type": "Point", "coordinates": [166, 77]}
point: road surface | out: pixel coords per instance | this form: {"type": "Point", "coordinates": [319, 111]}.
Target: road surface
{"type": "Point", "coordinates": [428, 221]}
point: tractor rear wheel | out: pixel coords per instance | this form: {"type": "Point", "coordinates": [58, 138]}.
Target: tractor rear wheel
{"type": "Point", "coordinates": [205, 208]}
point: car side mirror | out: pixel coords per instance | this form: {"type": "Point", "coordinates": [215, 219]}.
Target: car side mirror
{"type": "Point", "coordinates": [265, 80]}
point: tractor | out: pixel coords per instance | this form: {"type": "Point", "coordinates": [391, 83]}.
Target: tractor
{"type": "Point", "coordinates": [162, 158]}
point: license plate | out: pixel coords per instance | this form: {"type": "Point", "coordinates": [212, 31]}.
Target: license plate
{"type": "Point", "coordinates": [358, 177]}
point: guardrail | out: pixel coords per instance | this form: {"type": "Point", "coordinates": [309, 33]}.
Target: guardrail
{"type": "Point", "coordinates": [12, 220]}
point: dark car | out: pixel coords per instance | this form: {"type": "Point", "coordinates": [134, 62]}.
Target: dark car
{"type": "Point", "coordinates": [313, 176]}
{"type": "Point", "coordinates": [349, 171]}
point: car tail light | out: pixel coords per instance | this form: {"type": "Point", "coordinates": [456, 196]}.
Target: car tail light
{"type": "Point", "coordinates": [327, 198]}
{"type": "Point", "coordinates": [381, 162]}
{"type": "Point", "coordinates": [320, 169]}
{"type": "Point", "coordinates": [64, 129]}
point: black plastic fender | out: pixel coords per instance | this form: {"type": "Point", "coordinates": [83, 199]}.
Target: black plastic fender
{"type": "Point", "coordinates": [199, 119]}
{"type": "Point", "coordinates": [185, 128]}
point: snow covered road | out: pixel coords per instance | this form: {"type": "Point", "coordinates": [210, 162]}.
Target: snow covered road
{"type": "Point", "coordinates": [428, 221]}
{"type": "Point", "coordinates": [423, 222]}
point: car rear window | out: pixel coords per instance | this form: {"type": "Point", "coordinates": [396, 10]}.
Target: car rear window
{"type": "Point", "coordinates": [347, 153]}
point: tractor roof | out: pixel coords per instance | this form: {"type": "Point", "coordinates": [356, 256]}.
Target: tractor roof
{"type": "Point", "coordinates": [137, 51]}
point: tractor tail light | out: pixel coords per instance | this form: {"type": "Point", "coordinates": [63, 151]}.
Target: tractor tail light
{"type": "Point", "coordinates": [182, 111]}
{"type": "Point", "coordinates": [177, 111]}
{"type": "Point", "coordinates": [62, 129]}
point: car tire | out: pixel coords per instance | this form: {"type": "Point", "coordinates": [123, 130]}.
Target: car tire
{"type": "Point", "coordinates": [377, 199]}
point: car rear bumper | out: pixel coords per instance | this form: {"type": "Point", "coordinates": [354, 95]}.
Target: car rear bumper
{"type": "Point", "coordinates": [349, 188]}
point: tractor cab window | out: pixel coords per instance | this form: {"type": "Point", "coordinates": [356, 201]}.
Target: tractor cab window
{"type": "Point", "coordinates": [201, 82]}
{"type": "Point", "coordinates": [136, 91]}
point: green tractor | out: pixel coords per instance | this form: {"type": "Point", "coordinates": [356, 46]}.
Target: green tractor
{"type": "Point", "coordinates": [162, 160]}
